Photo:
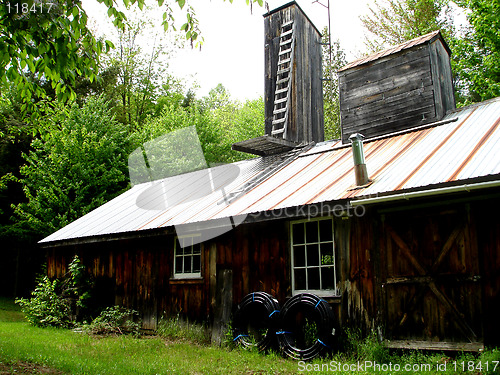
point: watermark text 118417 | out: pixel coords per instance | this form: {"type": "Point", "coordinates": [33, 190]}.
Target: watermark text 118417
{"type": "Point", "coordinates": [475, 367]}
{"type": "Point", "coordinates": [24, 8]}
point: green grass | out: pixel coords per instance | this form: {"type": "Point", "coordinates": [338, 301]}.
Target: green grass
{"type": "Point", "coordinates": [180, 329]}
{"type": "Point", "coordinates": [9, 311]}
{"type": "Point", "coordinates": [82, 354]}
{"type": "Point", "coordinates": [180, 352]}
{"type": "Point", "coordinates": [78, 353]}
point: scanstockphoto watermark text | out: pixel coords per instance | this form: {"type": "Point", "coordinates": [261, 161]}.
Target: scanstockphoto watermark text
{"type": "Point", "coordinates": [312, 211]}
{"type": "Point", "coordinates": [373, 366]}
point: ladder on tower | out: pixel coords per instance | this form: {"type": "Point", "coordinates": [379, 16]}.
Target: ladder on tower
{"type": "Point", "coordinates": [283, 81]}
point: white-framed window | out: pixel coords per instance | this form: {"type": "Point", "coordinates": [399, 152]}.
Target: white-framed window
{"type": "Point", "coordinates": [313, 257]}
{"type": "Point", "coordinates": [187, 257]}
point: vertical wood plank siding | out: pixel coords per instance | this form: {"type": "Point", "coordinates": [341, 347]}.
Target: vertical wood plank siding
{"type": "Point", "coordinates": [412, 273]}
{"type": "Point", "coordinates": [359, 281]}
{"type": "Point", "coordinates": [139, 273]}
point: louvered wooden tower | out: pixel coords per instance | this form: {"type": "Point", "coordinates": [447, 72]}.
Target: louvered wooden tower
{"type": "Point", "coordinates": [293, 86]}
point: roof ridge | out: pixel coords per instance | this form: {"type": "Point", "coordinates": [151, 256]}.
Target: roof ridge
{"type": "Point", "coordinates": [393, 49]}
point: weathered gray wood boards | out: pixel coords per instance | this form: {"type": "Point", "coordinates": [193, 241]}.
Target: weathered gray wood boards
{"type": "Point", "coordinates": [304, 98]}
{"type": "Point", "coordinates": [402, 89]}
{"type": "Point", "coordinates": [305, 122]}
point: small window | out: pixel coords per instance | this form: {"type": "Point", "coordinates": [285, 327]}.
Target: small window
{"type": "Point", "coordinates": [187, 259]}
{"type": "Point", "coordinates": [313, 257]}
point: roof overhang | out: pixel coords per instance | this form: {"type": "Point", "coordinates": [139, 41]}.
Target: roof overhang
{"type": "Point", "coordinates": [265, 145]}
{"type": "Point", "coordinates": [437, 191]}
{"type": "Point", "coordinates": [337, 208]}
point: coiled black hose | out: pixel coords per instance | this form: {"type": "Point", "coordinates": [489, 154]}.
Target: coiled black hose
{"type": "Point", "coordinates": [255, 321]}
{"type": "Point", "coordinates": [307, 326]}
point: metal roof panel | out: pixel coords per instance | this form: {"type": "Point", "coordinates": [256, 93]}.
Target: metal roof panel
{"type": "Point", "coordinates": [451, 151]}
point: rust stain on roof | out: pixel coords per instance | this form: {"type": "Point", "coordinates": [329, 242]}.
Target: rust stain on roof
{"type": "Point", "coordinates": [350, 170]}
{"type": "Point", "coordinates": [279, 185]}
{"type": "Point", "coordinates": [433, 152]}
{"type": "Point", "coordinates": [470, 157]}
{"type": "Point", "coordinates": [419, 158]}
{"type": "Point", "coordinates": [340, 157]}
{"type": "Point", "coordinates": [412, 138]}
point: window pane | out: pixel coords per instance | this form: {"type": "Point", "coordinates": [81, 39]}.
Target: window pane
{"type": "Point", "coordinates": [312, 255]}
{"type": "Point", "coordinates": [327, 278]}
{"type": "Point", "coordinates": [327, 254]}
{"type": "Point", "coordinates": [179, 250]}
{"type": "Point", "coordinates": [196, 263]}
{"type": "Point", "coordinates": [196, 249]}
{"type": "Point", "coordinates": [187, 264]}
{"type": "Point", "coordinates": [312, 231]}
{"type": "Point", "coordinates": [178, 264]}
{"type": "Point", "coordinates": [300, 279]}
{"type": "Point", "coordinates": [298, 233]}
{"type": "Point", "coordinates": [313, 278]}
{"type": "Point", "coordinates": [325, 230]}
{"type": "Point", "coordinates": [299, 256]}
{"type": "Point", "coordinates": [187, 259]}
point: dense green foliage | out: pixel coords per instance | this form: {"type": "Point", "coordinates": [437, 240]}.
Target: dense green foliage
{"type": "Point", "coordinates": [49, 41]}
{"type": "Point", "coordinates": [59, 302]}
{"type": "Point", "coordinates": [46, 41]}
{"type": "Point", "coordinates": [477, 51]}
{"type": "Point", "coordinates": [64, 303]}
{"type": "Point", "coordinates": [333, 59]}
{"type": "Point", "coordinates": [46, 308]}
{"type": "Point", "coordinates": [76, 164]}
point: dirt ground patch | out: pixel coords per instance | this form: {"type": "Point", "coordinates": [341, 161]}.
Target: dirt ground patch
{"type": "Point", "coordinates": [25, 368]}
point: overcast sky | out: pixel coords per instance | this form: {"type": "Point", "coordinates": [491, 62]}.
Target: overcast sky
{"type": "Point", "coordinates": [233, 51]}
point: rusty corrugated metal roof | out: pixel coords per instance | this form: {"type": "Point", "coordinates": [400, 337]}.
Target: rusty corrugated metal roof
{"type": "Point", "coordinates": [463, 146]}
{"type": "Point", "coordinates": [392, 50]}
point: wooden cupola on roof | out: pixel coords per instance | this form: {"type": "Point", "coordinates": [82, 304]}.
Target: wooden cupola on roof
{"type": "Point", "coordinates": [397, 89]}
{"type": "Point", "coordinates": [293, 86]}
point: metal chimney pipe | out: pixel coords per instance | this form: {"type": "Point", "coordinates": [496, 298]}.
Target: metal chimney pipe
{"type": "Point", "coordinates": [358, 154]}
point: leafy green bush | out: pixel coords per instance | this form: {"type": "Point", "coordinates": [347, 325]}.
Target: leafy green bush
{"type": "Point", "coordinates": [114, 320]}
{"type": "Point", "coordinates": [177, 328]}
{"type": "Point", "coordinates": [76, 286]}
{"type": "Point", "coordinates": [58, 303]}
{"type": "Point", "coordinates": [46, 307]}
{"type": "Point", "coordinates": [75, 164]}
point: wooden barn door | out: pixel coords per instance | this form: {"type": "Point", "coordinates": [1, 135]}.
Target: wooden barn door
{"type": "Point", "coordinates": [430, 280]}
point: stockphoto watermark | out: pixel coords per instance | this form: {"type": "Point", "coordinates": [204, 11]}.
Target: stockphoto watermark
{"type": "Point", "coordinates": [374, 367]}
{"type": "Point", "coordinates": [173, 174]}
{"type": "Point", "coordinates": [312, 211]}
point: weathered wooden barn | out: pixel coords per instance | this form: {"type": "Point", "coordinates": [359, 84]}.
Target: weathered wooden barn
{"type": "Point", "coordinates": [413, 253]}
